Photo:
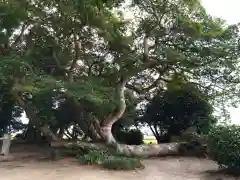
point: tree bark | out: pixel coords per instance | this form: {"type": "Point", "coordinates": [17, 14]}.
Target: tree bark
{"type": "Point", "coordinates": [149, 150]}
{"type": "Point", "coordinates": [132, 150]}
{"type": "Point", "coordinates": [76, 58]}
{"type": "Point", "coordinates": [106, 126]}
{"type": "Point", "coordinates": [126, 150]}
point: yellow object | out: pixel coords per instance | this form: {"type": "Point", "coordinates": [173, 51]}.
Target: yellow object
{"type": "Point", "coordinates": [149, 140]}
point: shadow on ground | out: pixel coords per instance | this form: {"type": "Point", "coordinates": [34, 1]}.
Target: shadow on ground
{"type": "Point", "coordinates": [221, 174]}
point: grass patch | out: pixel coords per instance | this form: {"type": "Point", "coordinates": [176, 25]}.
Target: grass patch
{"type": "Point", "coordinates": [122, 163]}
{"type": "Point", "coordinates": [110, 161]}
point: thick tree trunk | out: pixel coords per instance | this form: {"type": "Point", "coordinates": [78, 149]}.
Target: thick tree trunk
{"type": "Point", "coordinates": [126, 150]}
{"type": "Point", "coordinates": [106, 127]}
{"type": "Point", "coordinates": [149, 150]}
{"type": "Point", "coordinates": [132, 150]}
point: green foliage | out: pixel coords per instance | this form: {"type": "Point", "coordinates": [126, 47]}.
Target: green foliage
{"type": "Point", "coordinates": [122, 163]}
{"type": "Point", "coordinates": [93, 157]}
{"type": "Point", "coordinates": [102, 98]}
{"type": "Point", "coordinates": [224, 145]}
{"type": "Point", "coordinates": [181, 106]}
{"type": "Point", "coordinates": [193, 148]}
{"type": "Point", "coordinates": [130, 137]}
{"type": "Point", "coordinates": [110, 161]}
{"type": "Point", "coordinates": [196, 145]}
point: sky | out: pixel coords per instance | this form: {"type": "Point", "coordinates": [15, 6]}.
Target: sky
{"type": "Point", "coordinates": [229, 11]}
{"type": "Point", "coordinates": [225, 9]}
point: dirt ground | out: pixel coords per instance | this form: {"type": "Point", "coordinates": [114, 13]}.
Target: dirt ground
{"type": "Point", "coordinates": [28, 163]}
{"type": "Point", "coordinates": [156, 169]}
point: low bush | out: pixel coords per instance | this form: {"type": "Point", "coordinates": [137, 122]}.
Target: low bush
{"type": "Point", "coordinates": [93, 157]}
{"type": "Point", "coordinates": [224, 146]}
{"type": "Point", "coordinates": [110, 161]}
{"type": "Point", "coordinates": [196, 144]}
{"type": "Point", "coordinates": [193, 148]}
{"type": "Point", "coordinates": [122, 163]}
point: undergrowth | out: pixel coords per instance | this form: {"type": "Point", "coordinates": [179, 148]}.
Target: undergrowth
{"type": "Point", "coordinates": [110, 161]}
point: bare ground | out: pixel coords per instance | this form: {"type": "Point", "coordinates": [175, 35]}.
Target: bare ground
{"type": "Point", "coordinates": [169, 168]}
{"type": "Point", "coordinates": [156, 169]}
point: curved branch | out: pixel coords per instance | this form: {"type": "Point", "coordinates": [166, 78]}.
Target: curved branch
{"type": "Point", "coordinates": [127, 150]}
{"type": "Point", "coordinates": [121, 107]}
{"type": "Point", "coordinates": [55, 57]}
{"type": "Point", "coordinates": [107, 124]}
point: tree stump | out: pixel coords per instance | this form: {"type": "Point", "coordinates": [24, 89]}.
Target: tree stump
{"type": "Point", "coordinates": [6, 142]}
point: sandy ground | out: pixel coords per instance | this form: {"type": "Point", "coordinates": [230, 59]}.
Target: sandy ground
{"type": "Point", "coordinates": [156, 169]}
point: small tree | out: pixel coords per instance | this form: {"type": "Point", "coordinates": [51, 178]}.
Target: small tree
{"type": "Point", "coordinates": [182, 105]}
{"type": "Point", "coordinates": [224, 146]}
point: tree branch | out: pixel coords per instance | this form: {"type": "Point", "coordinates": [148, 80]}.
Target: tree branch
{"type": "Point", "coordinates": [20, 37]}
{"type": "Point", "coordinates": [127, 150]}
{"type": "Point", "coordinates": [112, 118]}
{"type": "Point", "coordinates": [56, 60]}
{"type": "Point", "coordinates": [76, 58]}
{"type": "Point", "coordinates": [106, 126]}
{"type": "Point", "coordinates": [146, 49]}
{"type": "Point", "coordinates": [34, 119]}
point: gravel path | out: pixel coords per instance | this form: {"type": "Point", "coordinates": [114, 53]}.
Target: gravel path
{"type": "Point", "coordinates": [156, 169]}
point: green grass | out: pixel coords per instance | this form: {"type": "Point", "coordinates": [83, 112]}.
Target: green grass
{"type": "Point", "coordinates": [110, 161]}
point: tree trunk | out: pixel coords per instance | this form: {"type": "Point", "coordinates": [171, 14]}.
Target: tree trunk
{"type": "Point", "coordinates": [106, 127]}
{"type": "Point", "coordinates": [132, 150]}
{"type": "Point", "coordinates": [126, 150]}
{"type": "Point", "coordinates": [110, 142]}
{"type": "Point", "coordinates": [6, 112]}
{"type": "Point", "coordinates": [149, 150]}
{"type": "Point", "coordinates": [34, 119]}
{"type": "Point", "coordinates": [155, 133]}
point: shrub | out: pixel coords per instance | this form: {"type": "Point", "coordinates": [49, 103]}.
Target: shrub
{"type": "Point", "coordinates": [109, 161]}
{"type": "Point", "coordinates": [195, 144]}
{"type": "Point", "coordinates": [193, 148]}
{"type": "Point", "coordinates": [130, 137]}
{"type": "Point", "coordinates": [93, 157]}
{"type": "Point", "coordinates": [122, 163]}
{"type": "Point", "coordinates": [224, 146]}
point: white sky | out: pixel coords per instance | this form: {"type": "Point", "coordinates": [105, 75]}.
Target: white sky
{"type": "Point", "coordinates": [225, 9]}
{"type": "Point", "coordinates": [229, 11]}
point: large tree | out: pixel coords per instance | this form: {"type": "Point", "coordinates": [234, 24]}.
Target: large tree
{"type": "Point", "coordinates": [86, 53]}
